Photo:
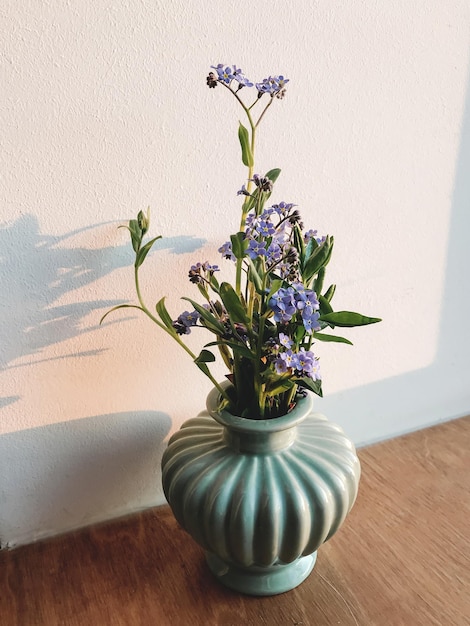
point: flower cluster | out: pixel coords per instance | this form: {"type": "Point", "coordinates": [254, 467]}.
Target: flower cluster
{"type": "Point", "coordinates": [272, 235]}
{"type": "Point", "coordinates": [286, 303]}
{"type": "Point", "coordinates": [202, 272]}
{"type": "Point", "coordinates": [274, 85]}
{"type": "Point", "coordinates": [226, 74]}
{"type": "Point", "coordinates": [265, 324]}
{"type": "Point", "coordinates": [301, 363]}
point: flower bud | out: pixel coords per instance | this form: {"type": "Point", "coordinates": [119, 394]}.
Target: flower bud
{"type": "Point", "coordinates": [143, 222]}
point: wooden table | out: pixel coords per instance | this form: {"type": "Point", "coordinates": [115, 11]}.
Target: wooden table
{"type": "Point", "coordinates": [402, 557]}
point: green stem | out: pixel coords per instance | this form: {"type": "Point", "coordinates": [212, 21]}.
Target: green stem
{"type": "Point", "coordinates": [264, 111]}
{"type": "Point", "coordinates": [175, 335]}
{"type": "Point", "coordinates": [290, 396]}
{"type": "Point", "coordinates": [238, 275]}
{"type": "Point", "coordinates": [259, 387]}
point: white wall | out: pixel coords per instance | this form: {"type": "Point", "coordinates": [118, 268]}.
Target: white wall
{"type": "Point", "coordinates": [105, 111]}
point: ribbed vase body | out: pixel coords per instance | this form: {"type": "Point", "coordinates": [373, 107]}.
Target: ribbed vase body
{"type": "Point", "coordinates": [260, 496]}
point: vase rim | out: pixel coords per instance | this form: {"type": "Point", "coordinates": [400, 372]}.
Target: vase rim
{"type": "Point", "coordinates": [273, 424]}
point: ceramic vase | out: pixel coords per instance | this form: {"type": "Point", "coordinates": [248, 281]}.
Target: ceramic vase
{"type": "Point", "coordinates": [260, 496]}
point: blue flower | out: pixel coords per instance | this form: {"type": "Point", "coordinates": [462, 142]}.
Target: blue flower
{"type": "Point", "coordinates": [226, 251]}
{"type": "Point", "coordinates": [284, 270]}
{"type": "Point", "coordinates": [315, 373]}
{"type": "Point", "coordinates": [283, 208]}
{"type": "Point", "coordinates": [274, 85]}
{"type": "Point", "coordinates": [189, 318]}
{"type": "Point", "coordinates": [311, 323]}
{"type": "Point", "coordinates": [300, 289]}
{"type": "Point", "coordinates": [240, 78]}
{"type": "Point", "coordinates": [274, 252]}
{"type": "Point", "coordinates": [266, 214]}
{"type": "Point", "coordinates": [195, 272]}
{"type": "Point", "coordinates": [279, 82]}
{"type": "Point", "coordinates": [225, 74]}
{"type": "Point", "coordinates": [210, 268]}
{"type": "Point", "coordinates": [285, 361]}
{"type": "Point", "coordinates": [307, 302]}
{"type": "Point", "coordinates": [312, 234]}
{"type": "Point", "coordinates": [256, 249]}
{"type": "Point", "coordinates": [264, 86]}
{"type": "Point", "coordinates": [280, 365]}
{"type": "Point", "coordinates": [282, 303]}
{"type": "Point", "coordinates": [250, 219]}
{"type": "Point", "coordinates": [184, 321]}
{"type": "Point", "coordinates": [285, 340]}
{"type": "Point", "coordinates": [307, 364]}
{"type": "Point", "coordinates": [243, 191]}
{"type": "Point", "coordinates": [265, 228]}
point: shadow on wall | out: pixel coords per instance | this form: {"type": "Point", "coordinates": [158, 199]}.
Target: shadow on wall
{"type": "Point", "coordinates": [67, 475]}
{"type": "Point", "coordinates": [442, 390]}
{"type": "Point", "coordinates": [36, 271]}
{"type": "Point", "coordinates": [79, 473]}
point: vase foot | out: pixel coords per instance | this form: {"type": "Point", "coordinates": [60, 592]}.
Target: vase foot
{"type": "Point", "coordinates": [261, 581]}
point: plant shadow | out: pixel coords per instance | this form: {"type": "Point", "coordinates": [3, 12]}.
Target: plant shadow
{"type": "Point", "coordinates": [37, 270]}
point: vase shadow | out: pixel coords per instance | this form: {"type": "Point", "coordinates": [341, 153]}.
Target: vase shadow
{"type": "Point", "coordinates": [80, 472]}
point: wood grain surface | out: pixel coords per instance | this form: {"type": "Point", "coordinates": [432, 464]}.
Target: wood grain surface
{"type": "Point", "coordinates": [401, 558]}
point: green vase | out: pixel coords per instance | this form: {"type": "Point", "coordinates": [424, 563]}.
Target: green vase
{"type": "Point", "coordinates": [260, 496]}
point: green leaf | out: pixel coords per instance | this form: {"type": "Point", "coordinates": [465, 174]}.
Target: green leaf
{"type": "Point", "coordinates": [202, 290]}
{"type": "Point", "coordinates": [210, 321]}
{"type": "Point", "coordinates": [255, 277]}
{"type": "Point", "coordinates": [273, 174]}
{"type": "Point", "coordinates": [275, 286]}
{"type": "Point", "coordinates": [239, 244]}
{"type": "Point", "coordinates": [330, 292]}
{"type": "Point", "coordinates": [136, 234]}
{"type": "Point", "coordinates": [142, 253]}
{"type": "Point", "coordinates": [214, 283]}
{"type": "Point", "coordinates": [253, 200]}
{"type": "Point", "coordinates": [232, 303]}
{"type": "Point", "coordinates": [299, 334]}
{"type": "Point", "coordinates": [244, 137]}
{"type": "Point", "coordinates": [313, 385]}
{"type": "Point", "coordinates": [348, 319]}
{"type": "Point", "coordinates": [325, 306]}
{"type": "Point", "coordinates": [318, 284]}
{"type": "Point", "coordinates": [276, 388]}
{"type": "Point", "coordinates": [311, 246]}
{"type": "Point", "coordinates": [121, 306]}
{"type": "Point", "coordinates": [236, 347]}
{"type": "Point", "coordinates": [203, 367]}
{"type": "Point", "coordinates": [205, 356]}
{"type": "Point", "coordinates": [299, 243]}
{"type": "Point", "coordinates": [318, 259]}
{"type": "Point", "coordinates": [163, 313]}
{"type": "Point", "coordinates": [333, 338]}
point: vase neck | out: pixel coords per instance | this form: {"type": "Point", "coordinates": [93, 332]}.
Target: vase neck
{"type": "Point", "coordinates": [259, 442]}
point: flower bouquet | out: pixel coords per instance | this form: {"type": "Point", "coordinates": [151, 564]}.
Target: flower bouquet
{"type": "Point", "coordinates": [258, 480]}
{"type": "Point", "coordinates": [265, 325]}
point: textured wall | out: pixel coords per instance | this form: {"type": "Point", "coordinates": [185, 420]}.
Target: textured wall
{"type": "Point", "coordinates": [105, 111]}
